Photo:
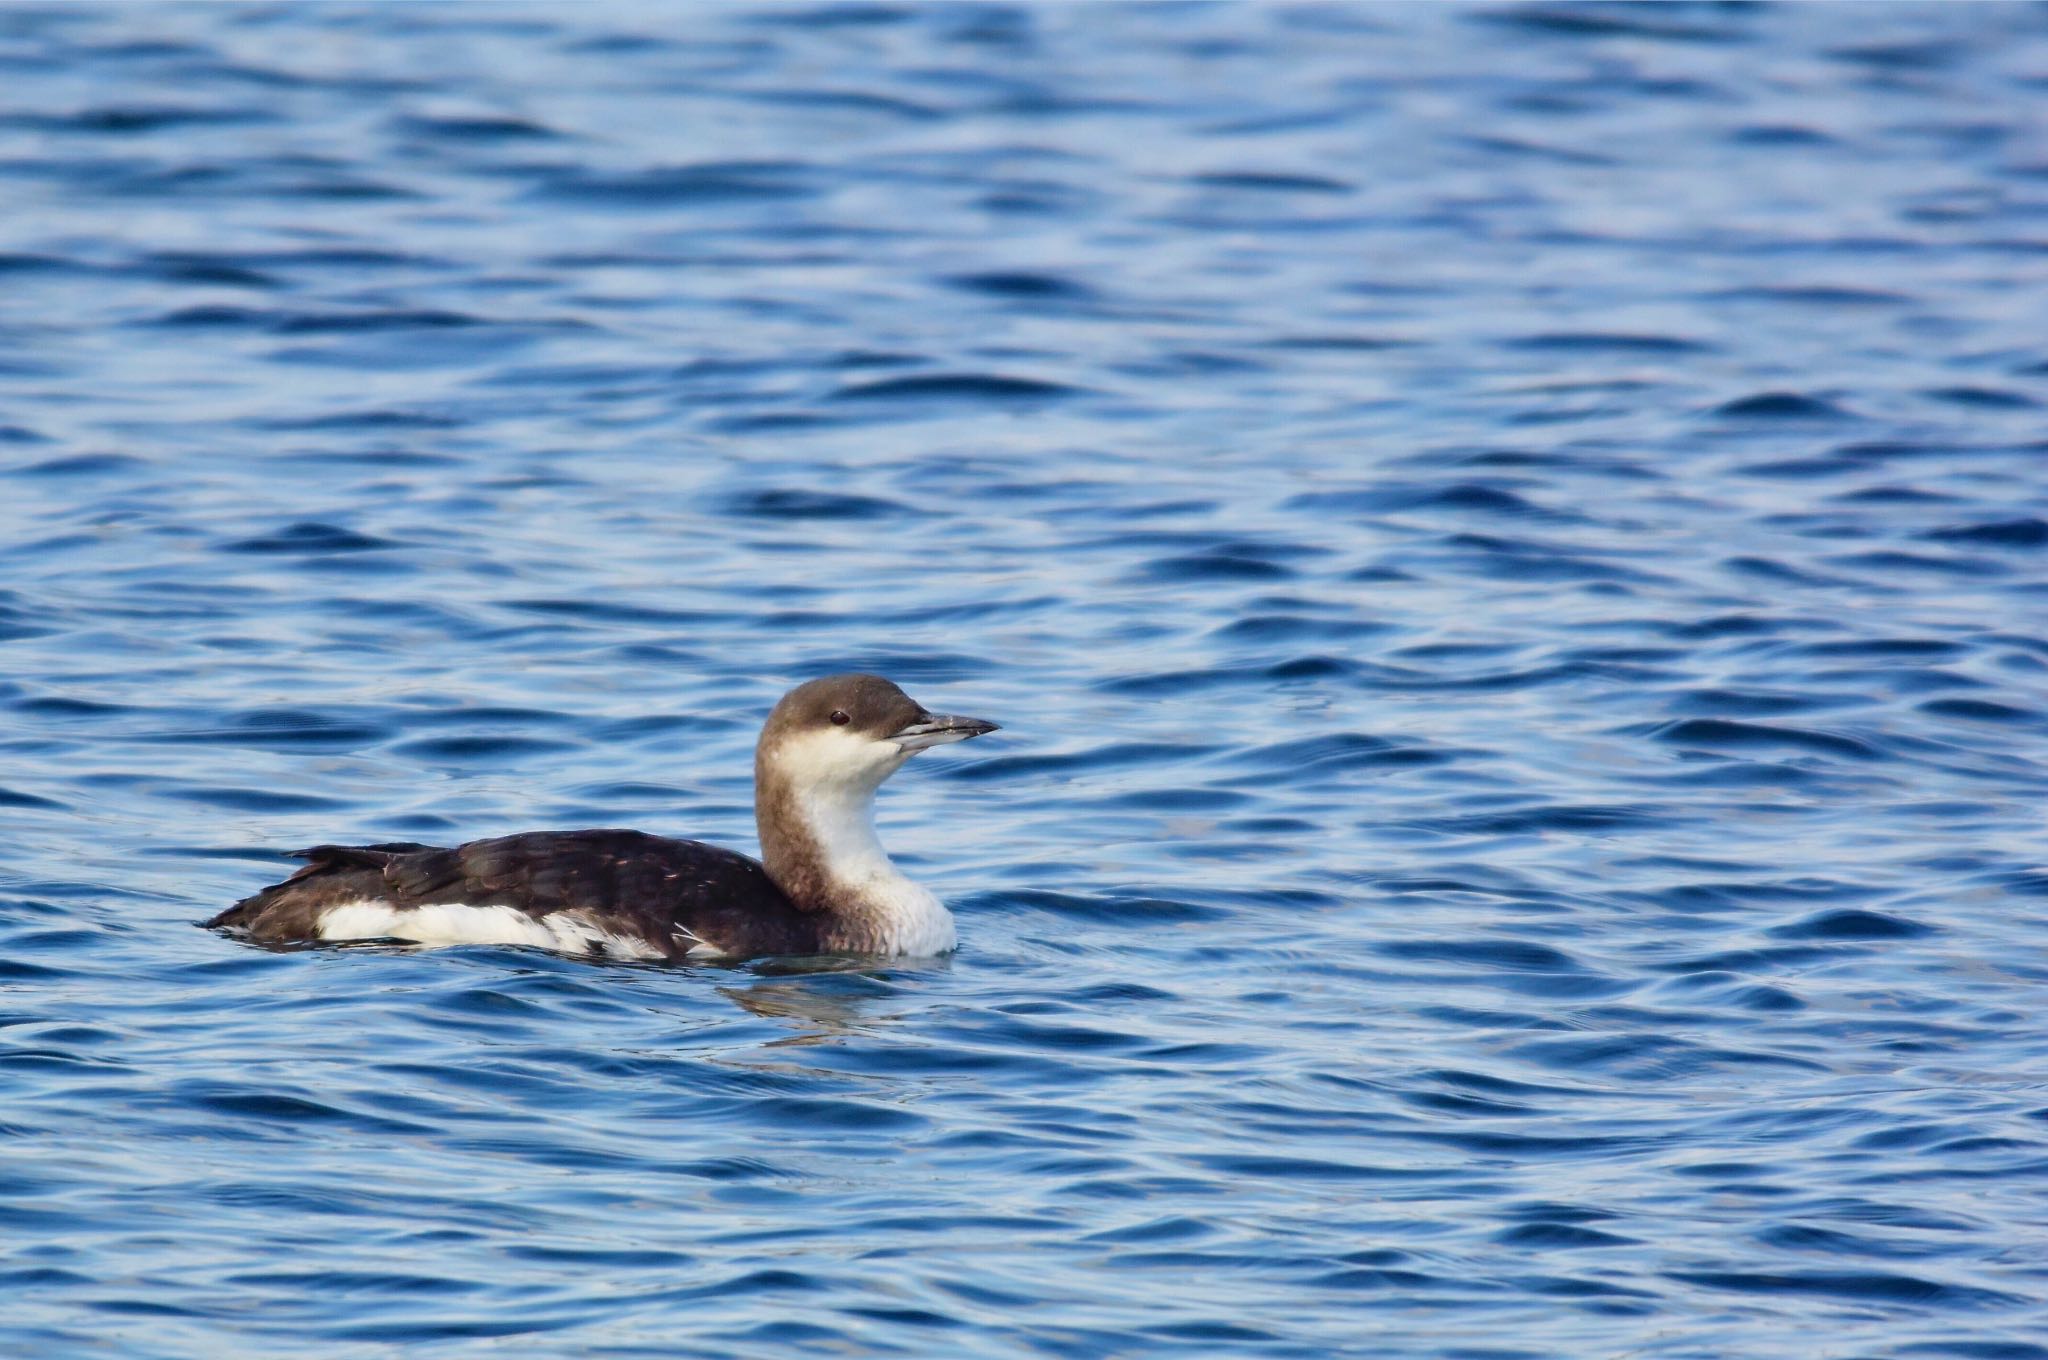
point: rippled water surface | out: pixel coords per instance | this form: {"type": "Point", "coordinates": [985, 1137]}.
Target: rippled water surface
{"type": "Point", "coordinates": [1508, 545]}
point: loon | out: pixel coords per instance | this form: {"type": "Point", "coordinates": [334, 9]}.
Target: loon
{"type": "Point", "coordinates": [823, 884]}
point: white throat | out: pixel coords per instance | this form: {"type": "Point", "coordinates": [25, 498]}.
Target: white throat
{"type": "Point", "coordinates": [832, 783]}
{"type": "Point", "coordinates": [907, 918]}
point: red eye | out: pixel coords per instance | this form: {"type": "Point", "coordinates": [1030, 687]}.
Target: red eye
{"type": "Point", "coordinates": [839, 718]}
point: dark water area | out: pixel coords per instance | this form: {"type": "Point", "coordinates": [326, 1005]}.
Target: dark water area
{"type": "Point", "coordinates": [1510, 546]}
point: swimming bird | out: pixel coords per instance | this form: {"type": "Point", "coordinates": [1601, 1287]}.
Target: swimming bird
{"type": "Point", "coordinates": [823, 884]}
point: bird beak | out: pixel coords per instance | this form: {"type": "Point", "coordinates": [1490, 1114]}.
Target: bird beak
{"type": "Point", "coordinates": [937, 731]}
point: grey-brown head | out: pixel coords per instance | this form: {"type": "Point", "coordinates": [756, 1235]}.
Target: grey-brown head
{"type": "Point", "coordinates": [851, 732]}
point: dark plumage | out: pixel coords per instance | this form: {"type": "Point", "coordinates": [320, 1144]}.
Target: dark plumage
{"type": "Point", "coordinates": [824, 749]}
{"type": "Point", "coordinates": [670, 894]}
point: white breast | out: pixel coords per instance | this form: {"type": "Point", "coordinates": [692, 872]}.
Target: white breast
{"type": "Point", "coordinates": [912, 921]}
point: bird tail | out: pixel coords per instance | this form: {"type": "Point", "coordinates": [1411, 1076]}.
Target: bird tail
{"type": "Point", "coordinates": [331, 873]}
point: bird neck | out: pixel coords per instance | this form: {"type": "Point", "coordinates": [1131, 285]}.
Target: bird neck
{"type": "Point", "coordinates": [818, 844]}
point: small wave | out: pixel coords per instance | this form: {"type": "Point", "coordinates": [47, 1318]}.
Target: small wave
{"type": "Point", "coordinates": [356, 323]}
{"type": "Point", "coordinates": [2023, 532]}
{"type": "Point", "coordinates": [252, 799]}
{"type": "Point", "coordinates": [311, 538]}
{"type": "Point", "coordinates": [679, 186]}
{"type": "Point", "coordinates": [1851, 923]}
{"type": "Point", "coordinates": [1023, 285]}
{"type": "Point", "coordinates": [480, 749]}
{"type": "Point", "coordinates": [1274, 182]}
{"type": "Point", "coordinates": [1598, 342]}
{"type": "Point", "coordinates": [1860, 1286]}
{"type": "Point", "coordinates": [83, 465]}
{"type": "Point", "coordinates": [474, 128]}
{"type": "Point", "coordinates": [1980, 710]}
{"type": "Point", "coordinates": [1727, 733]}
{"type": "Point", "coordinates": [1213, 566]}
{"type": "Point", "coordinates": [1780, 406]}
{"type": "Point", "coordinates": [1475, 497]}
{"type": "Point", "coordinates": [1602, 21]}
{"type": "Point", "coordinates": [993, 387]}
{"type": "Point", "coordinates": [789, 503]}
{"type": "Point", "coordinates": [1984, 398]}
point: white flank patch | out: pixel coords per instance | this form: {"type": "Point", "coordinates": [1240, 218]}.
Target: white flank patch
{"type": "Point", "coordinates": [460, 923]}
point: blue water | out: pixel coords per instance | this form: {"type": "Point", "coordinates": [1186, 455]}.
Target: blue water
{"type": "Point", "coordinates": [1510, 547]}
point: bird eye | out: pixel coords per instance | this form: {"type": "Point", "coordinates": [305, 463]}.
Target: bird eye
{"type": "Point", "coordinates": [839, 718]}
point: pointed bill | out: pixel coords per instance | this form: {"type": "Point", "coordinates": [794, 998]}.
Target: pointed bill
{"type": "Point", "coordinates": [937, 730]}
